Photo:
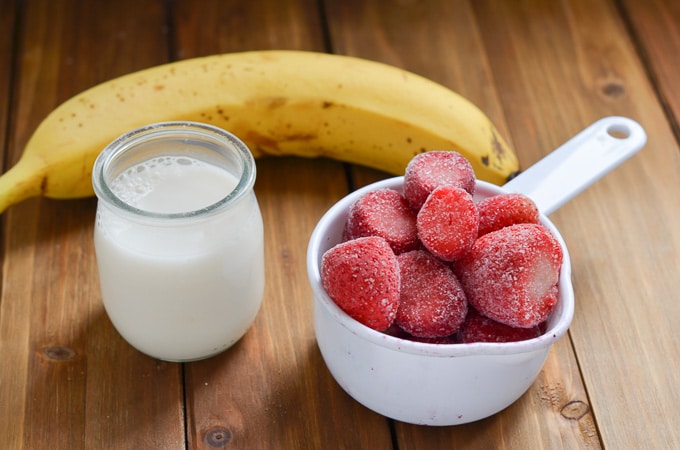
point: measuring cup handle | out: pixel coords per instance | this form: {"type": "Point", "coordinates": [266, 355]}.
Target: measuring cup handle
{"type": "Point", "coordinates": [578, 163]}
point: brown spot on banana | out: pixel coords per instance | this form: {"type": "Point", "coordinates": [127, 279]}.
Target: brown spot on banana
{"type": "Point", "coordinates": [277, 102]}
{"type": "Point", "coordinates": [260, 144]}
{"type": "Point", "coordinates": [497, 146]}
{"type": "Point", "coordinates": [299, 137]}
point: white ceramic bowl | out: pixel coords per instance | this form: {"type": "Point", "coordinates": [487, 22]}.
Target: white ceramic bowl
{"type": "Point", "coordinates": [422, 383]}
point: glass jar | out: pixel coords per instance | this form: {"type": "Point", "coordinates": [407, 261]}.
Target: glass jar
{"type": "Point", "coordinates": [179, 239]}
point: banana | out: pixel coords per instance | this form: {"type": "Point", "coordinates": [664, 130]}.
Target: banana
{"type": "Point", "coordinates": [278, 102]}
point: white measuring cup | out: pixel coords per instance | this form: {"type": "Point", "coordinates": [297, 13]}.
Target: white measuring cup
{"type": "Point", "coordinates": [449, 384]}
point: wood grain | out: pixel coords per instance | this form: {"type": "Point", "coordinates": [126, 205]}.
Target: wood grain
{"type": "Point", "coordinates": [67, 377]}
{"type": "Point", "coordinates": [655, 30]}
{"type": "Point", "coordinates": [273, 390]}
{"type": "Point", "coordinates": [7, 28]}
{"type": "Point", "coordinates": [602, 76]}
{"type": "Point", "coordinates": [7, 44]}
{"type": "Point", "coordinates": [541, 70]}
{"type": "Point", "coordinates": [620, 231]}
{"type": "Point", "coordinates": [457, 20]}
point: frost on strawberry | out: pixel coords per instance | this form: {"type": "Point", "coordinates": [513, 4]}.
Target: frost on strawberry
{"type": "Point", "coordinates": [384, 213]}
{"type": "Point", "coordinates": [448, 222]}
{"type": "Point", "coordinates": [504, 210]}
{"type": "Point", "coordinates": [478, 328]}
{"type": "Point", "coordinates": [432, 303]}
{"type": "Point", "coordinates": [428, 171]}
{"type": "Point", "coordinates": [510, 275]}
{"type": "Point", "coordinates": [398, 332]}
{"type": "Point", "coordinates": [362, 277]}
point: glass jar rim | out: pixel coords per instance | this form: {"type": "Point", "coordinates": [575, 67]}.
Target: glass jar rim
{"type": "Point", "coordinates": [131, 139]}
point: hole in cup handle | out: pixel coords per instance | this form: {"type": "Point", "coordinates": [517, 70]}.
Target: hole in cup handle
{"type": "Point", "coordinates": [579, 162]}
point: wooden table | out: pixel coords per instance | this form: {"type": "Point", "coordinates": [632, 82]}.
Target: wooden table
{"type": "Point", "coordinates": [542, 70]}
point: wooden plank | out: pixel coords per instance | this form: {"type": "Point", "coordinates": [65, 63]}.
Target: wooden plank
{"type": "Point", "coordinates": [233, 26]}
{"type": "Point", "coordinates": [560, 66]}
{"type": "Point", "coordinates": [656, 31]}
{"type": "Point", "coordinates": [13, 335]}
{"type": "Point", "coordinates": [7, 29]}
{"type": "Point", "coordinates": [70, 379]}
{"type": "Point", "coordinates": [439, 40]}
{"type": "Point", "coordinates": [443, 28]}
{"type": "Point", "coordinates": [272, 390]}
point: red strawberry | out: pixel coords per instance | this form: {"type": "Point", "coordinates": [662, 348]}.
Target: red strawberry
{"type": "Point", "coordinates": [478, 328]}
{"type": "Point", "coordinates": [398, 332]}
{"type": "Point", "coordinates": [448, 222]}
{"type": "Point", "coordinates": [504, 210]}
{"type": "Point", "coordinates": [383, 213]}
{"type": "Point", "coordinates": [427, 171]}
{"type": "Point", "coordinates": [510, 275]}
{"type": "Point", "coordinates": [362, 277]}
{"type": "Point", "coordinates": [432, 303]}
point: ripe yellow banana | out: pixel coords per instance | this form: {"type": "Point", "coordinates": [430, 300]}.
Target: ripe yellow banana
{"type": "Point", "coordinates": [278, 102]}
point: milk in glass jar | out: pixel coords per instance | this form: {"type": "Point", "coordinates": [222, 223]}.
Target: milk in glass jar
{"type": "Point", "coordinates": [179, 239]}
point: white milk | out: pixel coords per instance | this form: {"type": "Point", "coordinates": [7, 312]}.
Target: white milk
{"type": "Point", "coordinates": [186, 291]}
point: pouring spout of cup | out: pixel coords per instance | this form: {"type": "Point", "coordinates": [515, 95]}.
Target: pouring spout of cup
{"type": "Point", "coordinates": [579, 162]}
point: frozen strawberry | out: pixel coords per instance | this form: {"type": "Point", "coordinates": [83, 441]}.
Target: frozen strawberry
{"type": "Point", "coordinates": [383, 213]}
{"type": "Point", "coordinates": [504, 210]}
{"type": "Point", "coordinates": [362, 277]}
{"type": "Point", "coordinates": [432, 303]}
{"type": "Point", "coordinates": [396, 331]}
{"type": "Point", "coordinates": [448, 222]}
{"type": "Point", "coordinates": [510, 275]}
{"type": "Point", "coordinates": [478, 328]}
{"type": "Point", "coordinates": [427, 171]}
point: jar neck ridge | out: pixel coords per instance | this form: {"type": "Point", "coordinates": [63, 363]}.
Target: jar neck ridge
{"type": "Point", "coordinates": [183, 141]}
